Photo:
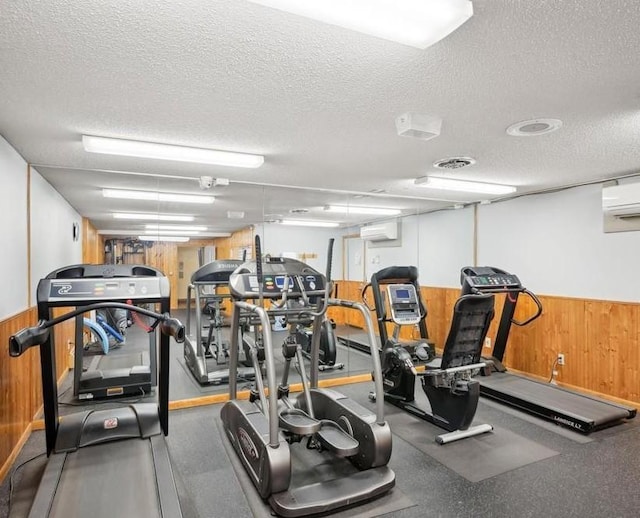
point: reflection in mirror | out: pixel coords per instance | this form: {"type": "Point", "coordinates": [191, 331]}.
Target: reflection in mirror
{"type": "Point", "coordinates": [365, 242]}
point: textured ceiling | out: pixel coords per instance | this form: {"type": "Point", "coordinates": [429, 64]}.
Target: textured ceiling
{"type": "Point", "coordinates": [318, 101]}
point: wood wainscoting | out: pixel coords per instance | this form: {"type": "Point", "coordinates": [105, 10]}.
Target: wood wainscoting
{"type": "Point", "coordinates": [600, 339]}
{"type": "Point", "coordinates": [20, 380]}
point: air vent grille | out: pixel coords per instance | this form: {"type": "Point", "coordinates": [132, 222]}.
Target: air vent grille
{"type": "Point", "coordinates": [457, 162]}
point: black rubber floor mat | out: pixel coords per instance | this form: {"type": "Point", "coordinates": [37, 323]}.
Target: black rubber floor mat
{"type": "Point", "coordinates": [393, 501]}
{"type": "Point", "coordinates": [475, 458]}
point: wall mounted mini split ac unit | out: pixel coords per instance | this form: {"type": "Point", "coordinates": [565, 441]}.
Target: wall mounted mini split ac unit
{"type": "Point", "coordinates": [621, 207]}
{"type": "Point", "coordinates": [380, 231]}
{"type": "Point", "coordinates": [621, 200]}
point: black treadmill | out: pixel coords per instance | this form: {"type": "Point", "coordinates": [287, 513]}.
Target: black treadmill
{"type": "Point", "coordinates": [564, 407]}
{"type": "Point", "coordinates": [209, 367]}
{"type": "Point", "coordinates": [113, 462]}
{"type": "Point", "coordinates": [115, 374]}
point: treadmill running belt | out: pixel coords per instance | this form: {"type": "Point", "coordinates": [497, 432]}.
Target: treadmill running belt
{"type": "Point", "coordinates": [529, 394]}
{"type": "Point", "coordinates": [92, 476]}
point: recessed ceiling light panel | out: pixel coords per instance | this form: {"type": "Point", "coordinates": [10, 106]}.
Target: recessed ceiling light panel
{"type": "Point", "coordinates": [448, 184]}
{"type": "Point", "coordinates": [355, 209]}
{"type": "Point", "coordinates": [136, 148]}
{"type": "Point", "coordinates": [534, 127]}
{"type": "Point", "coordinates": [151, 217]}
{"type": "Point", "coordinates": [309, 223]}
{"type": "Point", "coordinates": [417, 23]}
{"type": "Point", "coordinates": [156, 196]}
{"type": "Point", "coordinates": [173, 239]}
{"type": "Point", "coordinates": [198, 228]}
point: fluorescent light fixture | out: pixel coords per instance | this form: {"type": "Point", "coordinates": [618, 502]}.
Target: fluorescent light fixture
{"type": "Point", "coordinates": [156, 196]}
{"type": "Point", "coordinates": [351, 209]}
{"type": "Point", "coordinates": [115, 146]}
{"type": "Point", "coordinates": [448, 184]}
{"type": "Point", "coordinates": [309, 223]}
{"type": "Point", "coordinates": [173, 239]}
{"type": "Point", "coordinates": [173, 232]}
{"type": "Point", "coordinates": [197, 228]}
{"type": "Point", "coordinates": [417, 23]}
{"type": "Point", "coordinates": [151, 217]}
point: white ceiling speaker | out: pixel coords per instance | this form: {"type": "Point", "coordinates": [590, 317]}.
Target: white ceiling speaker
{"type": "Point", "coordinates": [423, 127]}
{"type": "Point", "coordinates": [534, 127]}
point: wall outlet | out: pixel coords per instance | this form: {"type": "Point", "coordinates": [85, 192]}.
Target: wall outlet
{"type": "Point", "coordinates": [560, 359]}
{"type": "Point", "coordinates": [487, 342]}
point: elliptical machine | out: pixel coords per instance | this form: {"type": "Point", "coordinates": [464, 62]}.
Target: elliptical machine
{"type": "Point", "coordinates": [352, 444]}
{"type": "Point", "coordinates": [446, 380]}
{"type": "Point", "coordinates": [328, 349]}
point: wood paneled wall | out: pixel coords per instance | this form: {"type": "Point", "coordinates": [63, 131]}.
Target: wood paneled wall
{"type": "Point", "coordinates": [231, 247]}
{"type": "Point", "coordinates": [600, 339]}
{"type": "Point", "coordinates": [92, 244]}
{"type": "Point", "coordinates": [21, 386]}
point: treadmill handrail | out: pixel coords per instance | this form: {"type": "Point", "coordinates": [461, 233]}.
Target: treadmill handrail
{"type": "Point", "coordinates": [535, 315]}
{"type": "Point", "coordinates": [37, 335]}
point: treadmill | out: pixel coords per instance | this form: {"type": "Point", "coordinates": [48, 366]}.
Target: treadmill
{"type": "Point", "coordinates": [203, 363]}
{"type": "Point", "coordinates": [115, 374]}
{"type": "Point", "coordinates": [112, 462]}
{"type": "Point", "coordinates": [564, 407]}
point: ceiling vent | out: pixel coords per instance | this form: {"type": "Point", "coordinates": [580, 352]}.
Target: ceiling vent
{"type": "Point", "coordinates": [457, 162]}
{"type": "Point", "coordinates": [299, 211]}
{"type": "Point", "coordinates": [534, 127]}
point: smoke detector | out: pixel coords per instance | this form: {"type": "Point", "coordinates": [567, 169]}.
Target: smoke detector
{"type": "Point", "coordinates": [423, 127]}
{"type": "Point", "coordinates": [456, 162]}
{"type": "Point", "coordinates": [534, 127]}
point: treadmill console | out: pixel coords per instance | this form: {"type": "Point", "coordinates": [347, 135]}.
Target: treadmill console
{"type": "Point", "coordinates": [89, 290]}
{"type": "Point", "coordinates": [215, 272]}
{"type": "Point", "coordinates": [488, 279]}
{"type": "Point", "coordinates": [403, 301]}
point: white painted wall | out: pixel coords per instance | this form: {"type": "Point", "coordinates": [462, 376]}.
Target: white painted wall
{"type": "Point", "coordinates": [13, 229]}
{"type": "Point", "coordinates": [445, 241]}
{"type": "Point", "coordinates": [281, 239]}
{"type": "Point", "coordinates": [555, 244]}
{"type": "Point", "coordinates": [439, 244]}
{"type": "Point", "coordinates": [52, 244]}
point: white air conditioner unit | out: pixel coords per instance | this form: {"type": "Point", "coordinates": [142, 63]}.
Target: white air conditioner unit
{"type": "Point", "coordinates": [380, 231]}
{"type": "Point", "coordinates": [621, 201]}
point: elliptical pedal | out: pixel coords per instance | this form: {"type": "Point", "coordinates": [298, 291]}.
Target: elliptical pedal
{"type": "Point", "coordinates": [298, 421]}
{"type": "Point", "coordinates": [336, 440]}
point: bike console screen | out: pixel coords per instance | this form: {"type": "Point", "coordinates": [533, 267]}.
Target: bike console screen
{"type": "Point", "coordinates": [403, 301]}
